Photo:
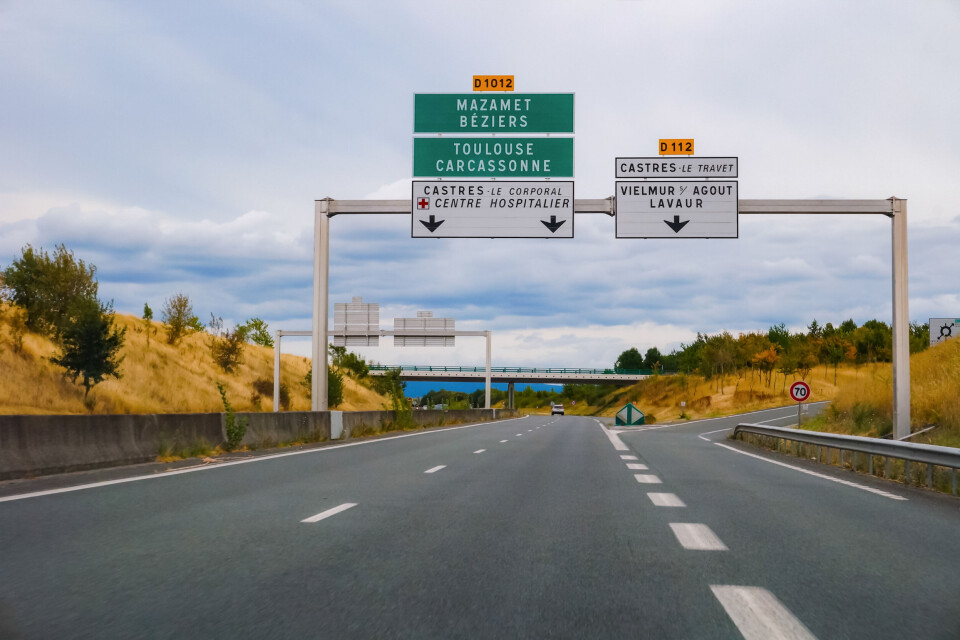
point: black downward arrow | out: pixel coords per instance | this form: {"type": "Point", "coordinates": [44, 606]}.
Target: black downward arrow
{"type": "Point", "coordinates": [676, 225]}
{"type": "Point", "coordinates": [553, 225]}
{"type": "Point", "coordinates": [433, 224]}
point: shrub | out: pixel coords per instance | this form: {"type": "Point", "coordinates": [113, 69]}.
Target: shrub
{"type": "Point", "coordinates": [177, 316]}
{"type": "Point", "coordinates": [235, 428]}
{"type": "Point", "coordinates": [264, 387]}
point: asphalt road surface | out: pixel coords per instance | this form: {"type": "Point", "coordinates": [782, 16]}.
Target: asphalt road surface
{"type": "Point", "coordinates": [536, 527]}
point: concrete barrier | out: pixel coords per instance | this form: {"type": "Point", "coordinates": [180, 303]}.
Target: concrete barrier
{"type": "Point", "coordinates": [40, 445]}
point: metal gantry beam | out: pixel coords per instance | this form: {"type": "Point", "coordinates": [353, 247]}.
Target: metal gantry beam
{"type": "Point", "coordinates": [895, 208]}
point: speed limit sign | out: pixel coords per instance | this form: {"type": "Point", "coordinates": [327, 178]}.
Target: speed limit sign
{"type": "Point", "coordinates": [800, 391]}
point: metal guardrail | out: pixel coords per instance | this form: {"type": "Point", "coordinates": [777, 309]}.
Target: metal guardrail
{"type": "Point", "coordinates": [625, 372]}
{"type": "Point", "coordinates": [928, 454]}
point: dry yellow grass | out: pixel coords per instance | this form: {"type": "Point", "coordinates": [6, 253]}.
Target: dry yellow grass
{"type": "Point", "coordinates": [661, 396]}
{"type": "Point", "coordinates": [866, 406]}
{"type": "Point", "coordinates": [156, 379]}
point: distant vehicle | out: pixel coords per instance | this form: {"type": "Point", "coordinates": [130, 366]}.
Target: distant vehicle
{"type": "Point", "coordinates": [556, 409]}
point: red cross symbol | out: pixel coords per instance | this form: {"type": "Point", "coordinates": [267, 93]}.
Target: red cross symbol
{"type": "Point", "coordinates": [423, 203]}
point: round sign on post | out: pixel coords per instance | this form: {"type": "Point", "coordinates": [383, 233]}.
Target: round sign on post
{"type": "Point", "coordinates": [800, 391]}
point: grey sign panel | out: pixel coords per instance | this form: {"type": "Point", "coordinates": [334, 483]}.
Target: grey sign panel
{"type": "Point", "coordinates": [432, 328]}
{"type": "Point", "coordinates": [673, 167]}
{"type": "Point", "coordinates": [677, 209]}
{"type": "Point", "coordinates": [943, 328]}
{"type": "Point", "coordinates": [492, 209]}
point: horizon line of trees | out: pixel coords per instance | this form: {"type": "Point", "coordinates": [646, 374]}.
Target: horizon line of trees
{"type": "Point", "coordinates": [778, 351]}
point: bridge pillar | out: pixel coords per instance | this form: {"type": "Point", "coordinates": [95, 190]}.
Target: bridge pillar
{"type": "Point", "coordinates": [510, 396]}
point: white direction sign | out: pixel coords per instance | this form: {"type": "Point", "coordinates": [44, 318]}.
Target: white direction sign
{"type": "Point", "coordinates": [943, 328]}
{"type": "Point", "coordinates": [677, 209]}
{"type": "Point", "coordinates": [673, 167]}
{"type": "Point", "coordinates": [492, 209]}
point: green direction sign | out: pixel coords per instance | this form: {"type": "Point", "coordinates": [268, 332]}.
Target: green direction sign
{"type": "Point", "coordinates": [493, 157]}
{"type": "Point", "coordinates": [473, 113]}
{"type": "Point", "coordinates": [629, 415]}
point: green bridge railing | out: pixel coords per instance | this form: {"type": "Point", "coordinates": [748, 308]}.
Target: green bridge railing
{"type": "Point", "coordinates": [444, 369]}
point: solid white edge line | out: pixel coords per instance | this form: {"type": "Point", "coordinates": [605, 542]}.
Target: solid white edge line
{"type": "Point", "coordinates": [666, 500]}
{"type": "Point", "coordinates": [436, 468]}
{"type": "Point", "coordinates": [879, 492]}
{"type": "Point", "coordinates": [221, 465]}
{"type": "Point", "coordinates": [330, 512]}
{"type": "Point", "coordinates": [759, 615]}
{"type": "Point", "coordinates": [697, 537]}
{"type": "Point", "coordinates": [615, 440]}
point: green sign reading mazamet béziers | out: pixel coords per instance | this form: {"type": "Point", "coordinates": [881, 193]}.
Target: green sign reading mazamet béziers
{"type": "Point", "coordinates": [493, 157]}
{"type": "Point", "coordinates": [473, 113]}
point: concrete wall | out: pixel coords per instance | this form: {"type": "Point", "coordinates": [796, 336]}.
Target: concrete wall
{"type": "Point", "coordinates": [39, 445]}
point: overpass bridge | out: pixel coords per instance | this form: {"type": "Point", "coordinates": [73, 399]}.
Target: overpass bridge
{"type": "Point", "coordinates": [516, 374]}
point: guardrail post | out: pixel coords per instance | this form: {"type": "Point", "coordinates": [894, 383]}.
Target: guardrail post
{"type": "Point", "coordinates": [929, 475]}
{"type": "Point", "coordinates": [870, 466]}
{"type": "Point", "coordinates": [906, 471]}
{"type": "Point", "coordinates": [953, 481]}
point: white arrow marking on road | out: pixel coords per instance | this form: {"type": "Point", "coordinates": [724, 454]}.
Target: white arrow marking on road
{"type": "Point", "coordinates": [697, 537]}
{"type": "Point", "coordinates": [436, 468]}
{"type": "Point", "coordinates": [759, 615]}
{"type": "Point", "coordinates": [330, 512]}
{"type": "Point", "coordinates": [665, 500]}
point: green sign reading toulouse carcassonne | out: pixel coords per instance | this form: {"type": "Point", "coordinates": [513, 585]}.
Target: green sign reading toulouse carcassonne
{"type": "Point", "coordinates": [501, 113]}
{"type": "Point", "coordinates": [493, 157]}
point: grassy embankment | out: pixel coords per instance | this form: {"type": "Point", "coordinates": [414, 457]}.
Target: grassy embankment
{"type": "Point", "coordinates": [157, 379]}
{"type": "Point", "coordinates": [865, 405]}
{"type": "Point", "coordinates": [659, 397]}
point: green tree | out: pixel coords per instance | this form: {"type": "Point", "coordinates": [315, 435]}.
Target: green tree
{"type": "Point", "coordinates": [919, 337]}
{"type": "Point", "coordinates": [91, 343]}
{"type": "Point", "coordinates": [46, 287]}
{"type": "Point", "coordinates": [630, 359]}
{"type": "Point", "coordinates": [177, 317]}
{"type": "Point", "coordinates": [147, 321]}
{"type": "Point", "coordinates": [257, 332]}
{"type": "Point", "coordinates": [652, 359]}
{"type": "Point", "coordinates": [334, 387]}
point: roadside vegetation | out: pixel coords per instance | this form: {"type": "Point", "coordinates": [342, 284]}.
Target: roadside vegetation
{"type": "Point", "coordinates": [64, 351]}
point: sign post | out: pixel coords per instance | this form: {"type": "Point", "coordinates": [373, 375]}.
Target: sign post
{"type": "Point", "coordinates": [799, 391]}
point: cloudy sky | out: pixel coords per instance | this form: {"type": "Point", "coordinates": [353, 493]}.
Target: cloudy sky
{"type": "Point", "coordinates": [179, 146]}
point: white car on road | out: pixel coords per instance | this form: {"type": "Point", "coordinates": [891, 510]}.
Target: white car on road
{"type": "Point", "coordinates": [556, 409]}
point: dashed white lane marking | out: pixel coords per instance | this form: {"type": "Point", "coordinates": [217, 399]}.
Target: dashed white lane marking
{"type": "Point", "coordinates": [436, 468]}
{"type": "Point", "coordinates": [759, 615]}
{"type": "Point", "coordinates": [330, 512]}
{"type": "Point", "coordinates": [637, 467]}
{"type": "Point", "coordinates": [646, 479]}
{"type": "Point", "coordinates": [879, 492]}
{"type": "Point", "coordinates": [615, 440]}
{"type": "Point", "coordinates": [502, 441]}
{"type": "Point", "coordinates": [479, 450]}
{"type": "Point", "coordinates": [232, 463]}
{"type": "Point", "coordinates": [519, 435]}
{"type": "Point", "coordinates": [666, 500]}
{"type": "Point", "coordinates": [529, 430]}
{"type": "Point", "coordinates": [628, 457]}
{"type": "Point", "coordinates": [697, 537]}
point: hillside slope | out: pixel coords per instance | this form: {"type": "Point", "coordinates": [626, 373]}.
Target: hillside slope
{"type": "Point", "coordinates": [158, 378]}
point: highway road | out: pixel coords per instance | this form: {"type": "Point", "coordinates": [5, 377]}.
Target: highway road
{"type": "Point", "coordinates": [529, 528]}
